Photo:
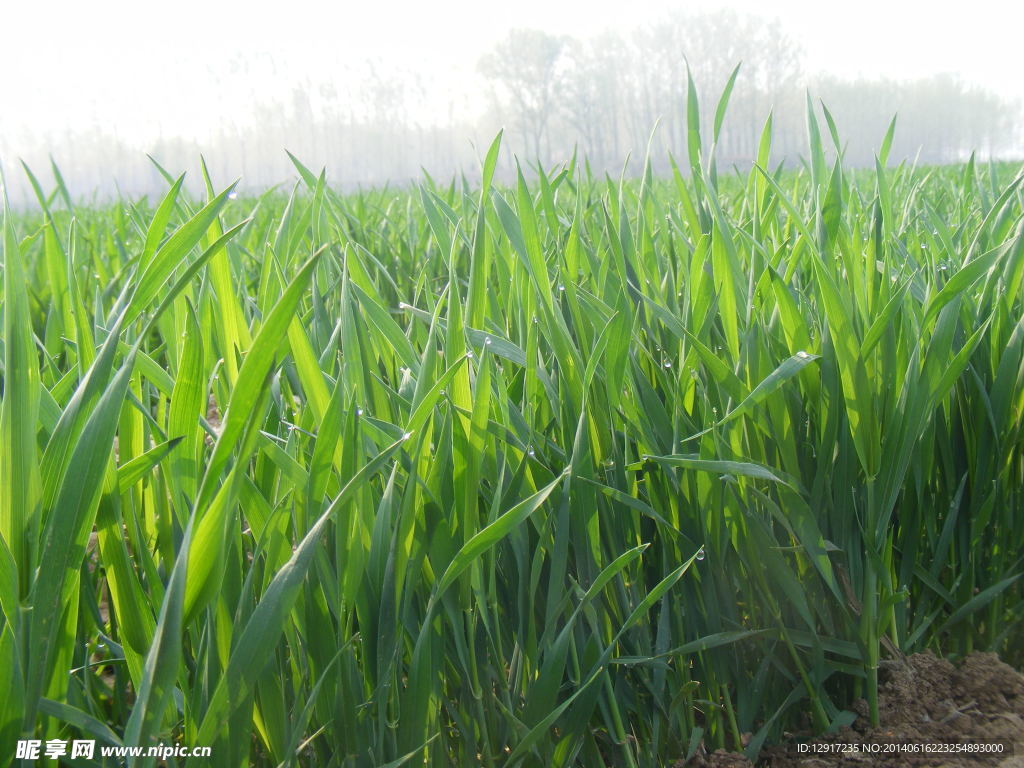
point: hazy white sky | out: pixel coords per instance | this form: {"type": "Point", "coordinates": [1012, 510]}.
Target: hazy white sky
{"type": "Point", "coordinates": [143, 69]}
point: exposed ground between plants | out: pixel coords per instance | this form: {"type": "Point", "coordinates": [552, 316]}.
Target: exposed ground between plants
{"type": "Point", "coordinates": [923, 699]}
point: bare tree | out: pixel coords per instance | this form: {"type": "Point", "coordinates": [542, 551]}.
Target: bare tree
{"type": "Point", "coordinates": [526, 67]}
{"type": "Point", "coordinates": [591, 95]}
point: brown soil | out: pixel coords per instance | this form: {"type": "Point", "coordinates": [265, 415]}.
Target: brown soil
{"type": "Point", "coordinates": [924, 702]}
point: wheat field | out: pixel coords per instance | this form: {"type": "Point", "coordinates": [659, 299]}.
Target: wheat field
{"type": "Point", "coordinates": [563, 471]}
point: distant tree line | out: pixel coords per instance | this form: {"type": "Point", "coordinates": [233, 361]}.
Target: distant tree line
{"type": "Point", "coordinates": [605, 94]}
{"type": "Point", "coordinates": [601, 96]}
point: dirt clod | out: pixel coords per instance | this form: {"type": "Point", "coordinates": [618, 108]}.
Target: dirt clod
{"type": "Point", "coordinates": [927, 708]}
{"type": "Point", "coordinates": [925, 702]}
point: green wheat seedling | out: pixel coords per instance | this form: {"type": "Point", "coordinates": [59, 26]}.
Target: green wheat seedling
{"type": "Point", "coordinates": [565, 472]}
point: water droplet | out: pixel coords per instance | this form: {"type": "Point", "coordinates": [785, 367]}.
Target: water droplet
{"type": "Point", "coordinates": [668, 364]}
{"type": "Point", "coordinates": [443, 392]}
{"type": "Point", "coordinates": [359, 411]}
{"type": "Point", "coordinates": [470, 354]}
{"type": "Point", "coordinates": [402, 305]}
{"type": "Point", "coordinates": [530, 451]}
{"type": "Point", "coordinates": [407, 435]}
{"type": "Point", "coordinates": [487, 340]}
{"type": "Point", "coordinates": [561, 287]}
{"type": "Point", "coordinates": [233, 196]}
{"type": "Point", "coordinates": [700, 553]}
{"type": "Point", "coordinates": [802, 355]}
